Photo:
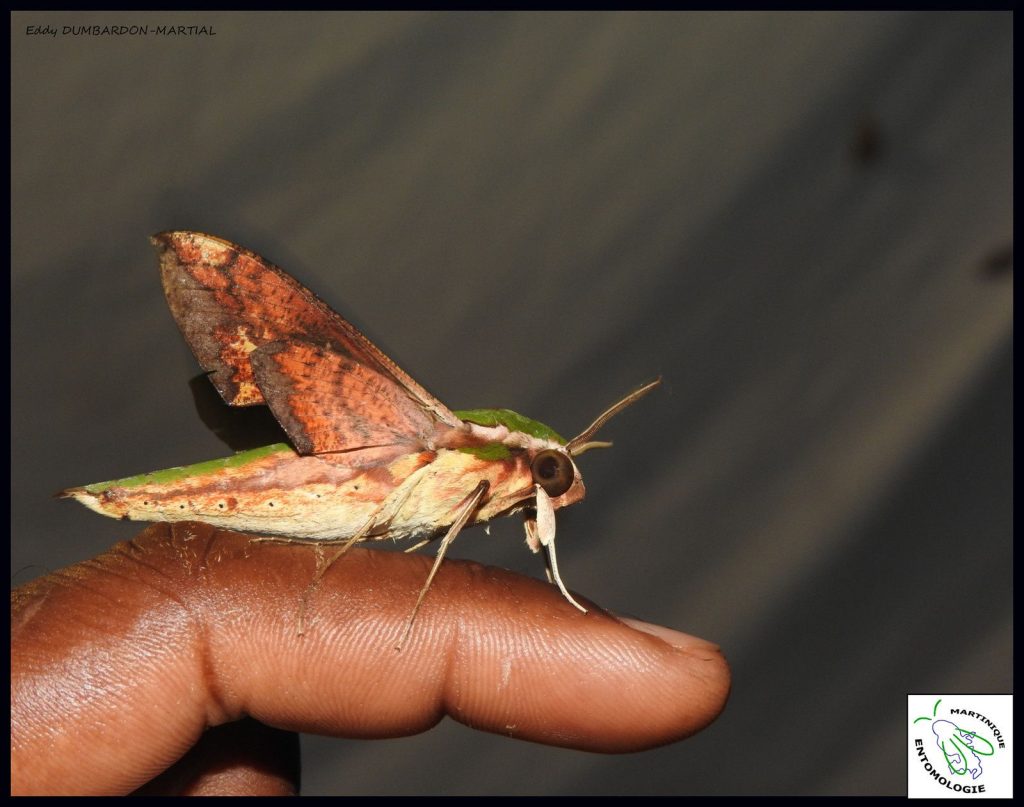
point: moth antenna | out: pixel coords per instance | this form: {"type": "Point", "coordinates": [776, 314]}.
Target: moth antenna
{"type": "Point", "coordinates": [592, 444]}
{"type": "Point", "coordinates": [581, 442]}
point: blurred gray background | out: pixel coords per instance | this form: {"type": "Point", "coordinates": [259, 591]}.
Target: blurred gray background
{"type": "Point", "coordinates": [803, 221]}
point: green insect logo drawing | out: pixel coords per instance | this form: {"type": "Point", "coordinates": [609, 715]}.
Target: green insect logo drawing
{"type": "Point", "coordinates": [962, 749]}
{"type": "Point", "coordinates": [959, 747]}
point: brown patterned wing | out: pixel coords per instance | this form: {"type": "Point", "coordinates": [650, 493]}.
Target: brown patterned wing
{"type": "Point", "coordinates": [327, 402]}
{"type": "Point", "coordinates": [230, 302]}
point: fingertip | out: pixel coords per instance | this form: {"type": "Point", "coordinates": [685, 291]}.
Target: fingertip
{"type": "Point", "coordinates": [704, 663]}
{"type": "Point", "coordinates": [678, 639]}
{"type": "Point", "coordinates": [529, 665]}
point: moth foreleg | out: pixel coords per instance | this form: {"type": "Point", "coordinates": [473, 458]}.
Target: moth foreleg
{"type": "Point", "coordinates": [323, 566]}
{"type": "Point", "coordinates": [465, 513]}
{"type": "Point", "coordinates": [414, 547]}
{"type": "Point", "coordinates": [544, 533]}
{"type": "Point", "coordinates": [283, 539]}
{"type": "Point", "coordinates": [394, 501]}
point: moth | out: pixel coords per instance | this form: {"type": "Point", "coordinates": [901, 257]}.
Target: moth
{"type": "Point", "coordinates": [372, 454]}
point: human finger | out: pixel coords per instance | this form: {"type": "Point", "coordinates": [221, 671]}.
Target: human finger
{"type": "Point", "coordinates": [187, 627]}
{"type": "Point", "coordinates": [243, 758]}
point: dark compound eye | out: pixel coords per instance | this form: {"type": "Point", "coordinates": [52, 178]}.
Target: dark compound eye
{"type": "Point", "coordinates": [553, 471]}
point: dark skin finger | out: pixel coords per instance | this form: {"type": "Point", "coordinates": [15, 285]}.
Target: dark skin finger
{"type": "Point", "coordinates": [121, 663]}
{"type": "Point", "coordinates": [243, 758]}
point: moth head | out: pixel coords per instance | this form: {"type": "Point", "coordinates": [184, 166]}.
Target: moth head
{"type": "Point", "coordinates": [554, 469]}
{"type": "Point", "coordinates": [557, 475]}
{"type": "Point", "coordinates": [557, 483]}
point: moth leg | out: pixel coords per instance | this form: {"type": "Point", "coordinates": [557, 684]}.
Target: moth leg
{"type": "Point", "coordinates": [280, 539]}
{"type": "Point", "coordinates": [414, 547]}
{"type": "Point", "coordinates": [396, 501]}
{"type": "Point", "coordinates": [467, 510]}
{"type": "Point", "coordinates": [533, 541]}
{"type": "Point", "coordinates": [551, 569]}
{"type": "Point", "coordinates": [321, 542]}
{"type": "Point", "coordinates": [317, 545]}
{"type": "Point", "coordinates": [322, 566]}
{"type": "Point", "coordinates": [545, 535]}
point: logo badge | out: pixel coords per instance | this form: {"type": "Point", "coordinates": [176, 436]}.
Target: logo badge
{"type": "Point", "coordinates": [959, 746]}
